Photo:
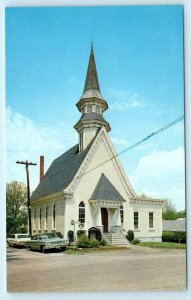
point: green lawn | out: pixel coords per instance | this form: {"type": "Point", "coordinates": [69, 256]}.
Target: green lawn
{"type": "Point", "coordinates": [166, 245]}
{"type": "Point", "coordinates": [73, 250]}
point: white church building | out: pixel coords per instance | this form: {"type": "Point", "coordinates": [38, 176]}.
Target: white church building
{"type": "Point", "coordinates": [87, 186]}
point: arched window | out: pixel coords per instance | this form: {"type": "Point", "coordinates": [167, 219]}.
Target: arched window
{"type": "Point", "coordinates": [81, 212]}
{"type": "Point", "coordinates": [54, 216]}
{"type": "Point", "coordinates": [46, 216]}
{"type": "Point", "coordinates": [40, 218]}
{"type": "Point", "coordinates": [121, 214]}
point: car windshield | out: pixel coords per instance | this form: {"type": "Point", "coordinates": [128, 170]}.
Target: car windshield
{"type": "Point", "coordinates": [22, 236]}
{"type": "Point", "coordinates": [48, 236]}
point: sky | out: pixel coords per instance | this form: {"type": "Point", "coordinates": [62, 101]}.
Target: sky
{"type": "Point", "coordinates": [140, 64]}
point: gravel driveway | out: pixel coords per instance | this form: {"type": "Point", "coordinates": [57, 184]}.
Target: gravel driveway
{"type": "Point", "coordinates": [136, 269]}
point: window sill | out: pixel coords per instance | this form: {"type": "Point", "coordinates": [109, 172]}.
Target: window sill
{"type": "Point", "coordinates": [136, 229]}
{"type": "Point", "coordinates": [151, 229]}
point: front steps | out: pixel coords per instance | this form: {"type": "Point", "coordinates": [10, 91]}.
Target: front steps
{"type": "Point", "coordinates": [115, 239]}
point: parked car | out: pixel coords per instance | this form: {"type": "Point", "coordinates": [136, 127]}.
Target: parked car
{"type": "Point", "coordinates": [18, 239]}
{"type": "Point", "coordinates": [46, 241]}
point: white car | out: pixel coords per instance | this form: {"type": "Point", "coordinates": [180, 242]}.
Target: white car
{"type": "Point", "coordinates": [18, 240]}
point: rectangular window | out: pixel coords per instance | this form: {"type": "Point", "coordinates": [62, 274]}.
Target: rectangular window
{"type": "Point", "coordinates": [81, 141]}
{"type": "Point", "coordinates": [151, 220]}
{"type": "Point", "coordinates": [136, 220]}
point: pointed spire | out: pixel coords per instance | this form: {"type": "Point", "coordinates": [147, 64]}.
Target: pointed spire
{"type": "Point", "coordinates": [91, 77]}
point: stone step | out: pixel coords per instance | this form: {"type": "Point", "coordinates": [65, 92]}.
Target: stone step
{"type": "Point", "coordinates": [115, 238]}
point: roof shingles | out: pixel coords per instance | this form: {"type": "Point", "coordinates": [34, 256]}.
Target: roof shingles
{"type": "Point", "coordinates": [61, 172]}
{"type": "Point", "coordinates": [105, 190]}
{"type": "Point", "coordinates": [174, 225]}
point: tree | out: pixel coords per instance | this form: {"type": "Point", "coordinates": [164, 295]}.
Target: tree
{"type": "Point", "coordinates": [169, 211]}
{"type": "Point", "coordinates": [16, 207]}
{"type": "Point", "coordinates": [143, 196]}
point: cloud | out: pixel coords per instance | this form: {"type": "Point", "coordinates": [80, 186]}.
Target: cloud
{"type": "Point", "coordinates": [161, 175]}
{"type": "Point", "coordinates": [125, 100]}
{"type": "Point", "coordinates": [27, 140]}
{"type": "Point", "coordinates": [117, 141]}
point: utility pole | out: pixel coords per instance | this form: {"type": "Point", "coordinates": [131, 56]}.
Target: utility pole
{"type": "Point", "coordinates": [27, 164]}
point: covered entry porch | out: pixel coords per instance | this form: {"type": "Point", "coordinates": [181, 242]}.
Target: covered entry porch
{"type": "Point", "coordinates": [106, 202]}
{"type": "Point", "coordinates": [108, 215]}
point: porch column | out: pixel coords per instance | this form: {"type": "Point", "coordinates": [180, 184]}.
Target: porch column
{"type": "Point", "coordinates": [99, 219]}
{"type": "Point", "coordinates": [118, 222]}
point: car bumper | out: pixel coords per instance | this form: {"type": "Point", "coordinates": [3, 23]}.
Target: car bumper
{"type": "Point", "coordinates": [54, 246]}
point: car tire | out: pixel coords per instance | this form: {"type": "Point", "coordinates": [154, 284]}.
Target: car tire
{"type": "Point", "coordinates": [42, 249]}
{"type": "Point", "coordinates": [29, 248]}
{"type": "Point", "coordinates": [15, 245]}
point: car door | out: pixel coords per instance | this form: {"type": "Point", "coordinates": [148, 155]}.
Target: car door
{"type": "Point", "coordinates": [33, 242]}
{"type": "Point", "coordinates": [39, 242]}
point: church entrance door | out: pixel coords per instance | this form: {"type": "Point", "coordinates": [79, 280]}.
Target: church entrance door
{"type": "Point", "coordinates": [104, 216]}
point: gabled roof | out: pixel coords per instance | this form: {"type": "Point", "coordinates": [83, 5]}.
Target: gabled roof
{"type": "Point", "coordinates": [61, 172]}
{"type": "Point", "coordinates": [105, 190]}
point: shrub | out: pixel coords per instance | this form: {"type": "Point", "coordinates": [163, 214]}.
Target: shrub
{"type": "Point", "coordinates": [102, 242]}
{"type": "Point", "coordinates": [59, 234]}
{"type": "Point", "coordinates": [174, 236]}
{"type": "Point", "coordinates": [130, 236]}
{"type": "Point", "coordinates": [70, 236]}
{"type": "Point", "coordinates": [84, 242]}
{"type": "Point", "coordinates": [135, 241]}
{"type": "Point", "coordinates": [94, 243]}
{"type": "Point", "coordinates": [80, 232]}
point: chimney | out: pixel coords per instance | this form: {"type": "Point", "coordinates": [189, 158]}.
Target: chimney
{"type": "Point", "coordinates": [41, 167]}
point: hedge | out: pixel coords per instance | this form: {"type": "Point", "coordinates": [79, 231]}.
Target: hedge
{"type": "Point", "coordinates": [84, 242]}
{"type": "Point", "coordinates": [80, 232]}
{"type": "Point", "coordinates": [174, 236]}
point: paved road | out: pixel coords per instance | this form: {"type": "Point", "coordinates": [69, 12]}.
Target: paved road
{"type": "Point", "coordinates": [119, 270]}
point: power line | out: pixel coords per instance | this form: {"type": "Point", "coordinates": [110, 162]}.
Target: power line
{"type": "Point", "coordinates": [137, 143]}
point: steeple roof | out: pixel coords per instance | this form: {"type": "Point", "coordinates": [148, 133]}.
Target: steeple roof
{"type": "Point", "coordinates": [91, 87]}
{"type": "Point", "coordinates": [91, 77]}
{"type": "Point", "coordinates": [86, 118]}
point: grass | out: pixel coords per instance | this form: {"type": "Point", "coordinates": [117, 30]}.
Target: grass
{"type": "Point", "coordinates": [72, 250]}
{"type": "Point", "coordinates": [166, 245]}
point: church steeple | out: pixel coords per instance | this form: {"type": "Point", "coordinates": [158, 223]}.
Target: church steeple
{"type": "Point", "coordinates": [91, 105]}
{"type": "Point", "coordinates": [91, 77]}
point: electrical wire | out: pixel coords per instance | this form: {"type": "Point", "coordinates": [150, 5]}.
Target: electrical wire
{"type": "Point", "coordinates": [168, 125]}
